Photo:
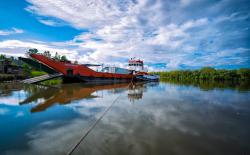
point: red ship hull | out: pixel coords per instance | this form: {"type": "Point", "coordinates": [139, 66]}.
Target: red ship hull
{"type": "Point", "coordinates": [80, 72]}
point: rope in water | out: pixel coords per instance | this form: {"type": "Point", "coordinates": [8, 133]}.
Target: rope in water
{"type": "Point", "coordinates": [95, 123]}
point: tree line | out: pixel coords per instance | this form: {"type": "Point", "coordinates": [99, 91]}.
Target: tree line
{"type": "Point", "coordinates": [48, 54]}
{"type": "Point", "coordinates": [206, 73]}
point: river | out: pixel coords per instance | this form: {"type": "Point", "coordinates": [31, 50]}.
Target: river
{"type": "Point", "coordinates": [145, 119]}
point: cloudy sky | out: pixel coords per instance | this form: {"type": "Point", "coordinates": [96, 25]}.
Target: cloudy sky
{"type": "Point", "coordinates": [166, 34]}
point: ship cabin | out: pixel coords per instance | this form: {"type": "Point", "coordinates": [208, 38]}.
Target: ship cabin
{"type": "Point", "coordinates": [136, 65]}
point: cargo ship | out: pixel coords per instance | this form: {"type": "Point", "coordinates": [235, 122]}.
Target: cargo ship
{"type": "Point", "coordinates": [85, 73]}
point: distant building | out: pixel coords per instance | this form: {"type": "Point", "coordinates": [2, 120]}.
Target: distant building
{"type": "Point", "coordinates": [6, 67]}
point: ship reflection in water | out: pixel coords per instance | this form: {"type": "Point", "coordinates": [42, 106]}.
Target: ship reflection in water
{"type": "Point", "coordinates": [68, 93]}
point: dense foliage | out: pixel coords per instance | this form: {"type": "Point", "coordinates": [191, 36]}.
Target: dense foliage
{"type": "Point", "coordinates": [47, 54]}
{"type": "Point", "coordinates": [207, 73]}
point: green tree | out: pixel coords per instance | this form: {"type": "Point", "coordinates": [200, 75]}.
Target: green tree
{"type": "Point", "coordinates": [207, 73]}
{"type": "Point", "coordinates": [63, 58]}
{"type": "Point", "coordinates": [33, 51]}
{"type": "Point", "coordinates": [57, 56]}
{"type": "Point", "coordinates": [12, 58]}
{"type": "Point", "coordinates": [244, 73]}
{"type": "Point", "coordinates": [2, 56]}
{"type": "Point", "coordinates": [26, 70]}
{"type": "Point", "coordinates": [47, 54]}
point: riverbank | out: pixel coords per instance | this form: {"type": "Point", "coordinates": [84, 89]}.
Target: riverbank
{"type": "Point", "coordinates": [13, 78]}
{"type": "Point", "coordinates": [206, 73]}
{"type": "Point", "coordinates": [10, 77]}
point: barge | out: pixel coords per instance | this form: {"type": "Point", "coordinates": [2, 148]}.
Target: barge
{"type": "Point", "coordinates": [84, 73]}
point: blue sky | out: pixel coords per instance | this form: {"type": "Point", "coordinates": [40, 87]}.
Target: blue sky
{"type": "Point", "coordinates": [166, 34]}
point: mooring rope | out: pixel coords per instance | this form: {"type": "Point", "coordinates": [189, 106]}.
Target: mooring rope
{"type": "Point", "coordinates": [95, 123]}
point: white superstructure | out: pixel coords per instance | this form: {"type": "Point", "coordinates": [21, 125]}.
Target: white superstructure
{"type": "Point", "coordinates": [136, 65]}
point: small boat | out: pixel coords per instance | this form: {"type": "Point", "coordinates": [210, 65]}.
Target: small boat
{"type": "Point", "coordinates": [148, 77]}
{"type": "Point", "coordinates": [84, 73]}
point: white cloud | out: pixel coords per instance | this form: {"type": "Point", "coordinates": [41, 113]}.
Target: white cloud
{"type": "Point", "coordinates": [10, 32]}
{"type": "Point", "coordinates": [157, 31]}
{"type": "Point", "coordinates": [79, 13]}
{"type": "Point", "coordinates": [194, 23]}
{"type": "Point", "coordinates": [19, 48]}
{"type": "Point", "coordinates": [48, 22]}
{"type": "Point", "coordinates": [185, 2]}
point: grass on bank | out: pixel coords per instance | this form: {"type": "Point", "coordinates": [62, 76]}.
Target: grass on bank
{"type": "Point", "coordinates": [37, 73]}
{"type": "Point", "coordinates": [55, 81]}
